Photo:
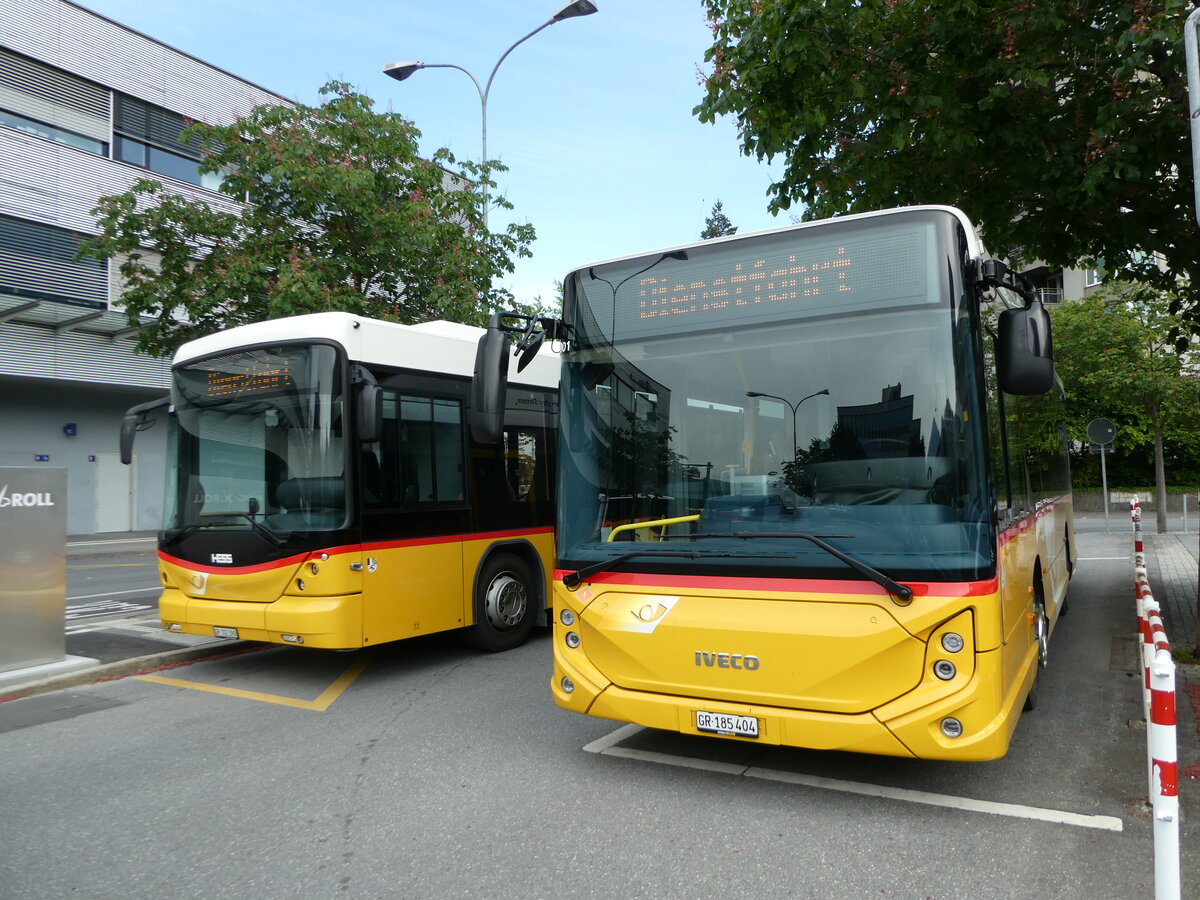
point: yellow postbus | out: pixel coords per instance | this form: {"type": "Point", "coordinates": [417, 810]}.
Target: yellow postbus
{"type": "Point", "coordinates": [813, 489]}
{"type": "Point", "coordinates": [324, 489]}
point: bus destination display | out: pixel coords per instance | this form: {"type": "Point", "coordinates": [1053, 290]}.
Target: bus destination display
{"type": "Point", "coordinates": [872, 268]}
{"type": "Point", "coordinates": [246, 375]}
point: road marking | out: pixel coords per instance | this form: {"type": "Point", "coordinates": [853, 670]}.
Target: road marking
{"type": "Point", "coordinates": [114, 593]}
{"type": "Point", "coordinates": [322, 703]}
{"type": "Point", "coordinates": [102, 607]}
{"type": "Point", "coordinates": [147, 565]}
{"type": "Point", "coordinates": [606, 746]}
{"type": "Point", "coordinates": [112, 542]}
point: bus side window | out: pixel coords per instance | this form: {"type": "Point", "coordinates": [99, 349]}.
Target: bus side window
{"type": "Point", "coordinates": [431, 450]}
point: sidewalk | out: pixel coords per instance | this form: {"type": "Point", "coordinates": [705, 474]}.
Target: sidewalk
{"type": "Point", "coordinates": [112, 647]}
{"type": "Point", "coordinates": [1171, 561]}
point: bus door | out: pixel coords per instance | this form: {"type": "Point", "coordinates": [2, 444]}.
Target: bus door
{"type": "Point", "coordinates": [414, 518]}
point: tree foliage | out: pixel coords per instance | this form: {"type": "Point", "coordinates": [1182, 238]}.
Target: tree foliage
{"type": "Point", "coordinates": [1111, 351]}
{"type": "Point", "coordinates": [1059, 126]}
{"type": "Point", "coordinates": [325, 208]}
{"type": "Point", "coordinates": [717, 224]}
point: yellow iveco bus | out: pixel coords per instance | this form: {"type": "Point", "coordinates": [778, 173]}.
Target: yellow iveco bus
{"type": "Point", "coordinates": [813, 489]}
{"type": "Point", "coordinates": [323, 487]}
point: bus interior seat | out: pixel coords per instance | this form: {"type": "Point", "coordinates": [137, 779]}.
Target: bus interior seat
{"type": "Point", "coordinates": [324, 493]}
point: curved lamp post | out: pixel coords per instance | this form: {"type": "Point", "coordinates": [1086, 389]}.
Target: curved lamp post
{"type": "Point", "coordinates": [794, 407]}
{"type": "Point", "coordinates": [401, 70]}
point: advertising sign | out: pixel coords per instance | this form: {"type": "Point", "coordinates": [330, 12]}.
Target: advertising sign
{"type": "Point", "coordinates": [33, 566]}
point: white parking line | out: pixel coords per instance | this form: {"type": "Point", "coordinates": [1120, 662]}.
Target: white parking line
{"type": "Point", "coordinates": [148, 590]}
{"type": "Point", "coordinates": [607, 746]}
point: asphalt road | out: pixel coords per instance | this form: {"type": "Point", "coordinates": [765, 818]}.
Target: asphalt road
{"type": "Point", "coordinates": [424, 769]}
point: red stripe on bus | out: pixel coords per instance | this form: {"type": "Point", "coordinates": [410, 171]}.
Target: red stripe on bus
{"type": "Point", "coordinates": [793, 585]}
{"type": "Point", "coordinates": [237, 570]}
{"type": "Point", "coordinates": [298, 558]}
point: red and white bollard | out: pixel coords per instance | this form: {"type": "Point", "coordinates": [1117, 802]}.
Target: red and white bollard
{"type": "Point", "coordinates": [1158, 702]}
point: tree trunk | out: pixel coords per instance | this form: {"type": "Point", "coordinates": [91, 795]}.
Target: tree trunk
{"type": "Point", "coordinates": [1160, 473]}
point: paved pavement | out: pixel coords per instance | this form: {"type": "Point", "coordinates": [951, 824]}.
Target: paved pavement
{"type": "Point", "coordinates": [116, 645]}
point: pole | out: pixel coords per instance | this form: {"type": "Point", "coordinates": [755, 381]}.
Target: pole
{"type": "Point", "coordinates": [1104, 485]}
{"type": "Point", "coordinates": [1191, 30]}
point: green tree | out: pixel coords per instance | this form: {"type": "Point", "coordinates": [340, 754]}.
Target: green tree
{"type": "Point", "coordinates": [1059, 126]}
{"type": "Point", "coordinates": [325, 208]}
{"type": "Point", "coordinates": [1115, 361]}
{"type": "Point", "coordinates": [717, 224]}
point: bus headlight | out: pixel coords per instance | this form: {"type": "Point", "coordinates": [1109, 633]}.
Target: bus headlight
{"type": "Point", "coordinates": [572, 639]}
{"type": "Point", "coordinates": [944, 669]}
{"type": "Point", "coordinates": [567, 685]}
{"type": "Point", "coordinates": [952, 643]}
{"type": "Point", "coordinates": [951, 727]}
{"type": "Point", "coordinates": [567, 617]}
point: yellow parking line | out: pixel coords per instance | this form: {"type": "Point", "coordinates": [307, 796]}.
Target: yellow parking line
{"type": "Point", "coordinates": [322, 703]}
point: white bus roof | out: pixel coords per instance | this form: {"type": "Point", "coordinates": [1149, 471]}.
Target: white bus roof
{"type": "Point", "coordinates": [443, 347]}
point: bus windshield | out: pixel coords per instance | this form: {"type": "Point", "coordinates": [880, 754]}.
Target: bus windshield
{"type": "Point", "coordinates": [813, 383]}
{"type": "Point", "coordinates": [257, 442]}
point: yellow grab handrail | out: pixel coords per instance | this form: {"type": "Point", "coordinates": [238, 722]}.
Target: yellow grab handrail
{"type": "Point", "coordinates": [634, 526]}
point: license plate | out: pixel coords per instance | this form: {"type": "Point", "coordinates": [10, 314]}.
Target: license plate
{"type": "Point", "coordinates": [221, 632]}
{"type": "Point", "coordinates": [723, 723]}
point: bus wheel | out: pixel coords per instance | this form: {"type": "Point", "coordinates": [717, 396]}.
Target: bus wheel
{"type": "Point", "coordinates": [1066, 602]}
{"type": "Point", "coordinates": [1041, 634]}
{"type": "Point", "coordinates": [504, 610]}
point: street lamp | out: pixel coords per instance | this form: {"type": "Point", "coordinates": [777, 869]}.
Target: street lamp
{"type": "Point", "coordinates": [401, 71]}
{"type": "Point", "coordinates": [794, 407]}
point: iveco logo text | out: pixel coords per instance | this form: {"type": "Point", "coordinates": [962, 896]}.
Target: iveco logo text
{"type": "Point", "coordinates": [222, 559]}
{"type": "Point", "coordinates": [726, 660]}
{"type": "Point", "coordinates": [19, 499]}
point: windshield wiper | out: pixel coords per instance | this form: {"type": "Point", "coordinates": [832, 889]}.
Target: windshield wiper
{"type": "Point", "coordinates": [572, 579]}
{"type": "Point", "coordinates": [258, 527]}
{"type": "Point", "coordinates": [904, 592]}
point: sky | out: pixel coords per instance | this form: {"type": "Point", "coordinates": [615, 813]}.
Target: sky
{"type": "Point", "coordinates": [592, 115]}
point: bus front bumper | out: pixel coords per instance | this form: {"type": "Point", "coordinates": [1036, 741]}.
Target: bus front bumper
{"type": "Point", "coordinates": [331, 623]}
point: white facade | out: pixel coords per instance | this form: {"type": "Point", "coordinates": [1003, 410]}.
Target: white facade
{"type": "Point", "coordinates": [87, 106]}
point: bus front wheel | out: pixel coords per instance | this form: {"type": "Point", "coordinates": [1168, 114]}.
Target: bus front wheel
{"type": "Point", "coordinates": [1041, 635]}
{"type": "Point", "coordinates": [504, 607]}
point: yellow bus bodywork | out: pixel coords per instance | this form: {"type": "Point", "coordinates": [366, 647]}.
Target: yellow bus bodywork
{"type": "Point", "coordinates": [837, 665]}
{"type": "Point", "coordinates": [340, 598]}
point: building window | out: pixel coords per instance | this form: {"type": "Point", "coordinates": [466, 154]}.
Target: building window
{"type": "Point", "coordinates": [1094, 277]}
{"type": "Point", "coordinates": [38, 262]}
{"type": "Point", "coordinates": [148, 136]}
{"type": "Point", "coordinates": [39, 99]}
{"type": "Point", "coordinates": [50, 132]}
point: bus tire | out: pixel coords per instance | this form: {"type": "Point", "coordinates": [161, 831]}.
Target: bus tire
{"type": "Point", "coordinates": [504, 604]}
{"type": "Point", "coordinates": [1041, 636]}
{"type": "Point", "coordinates": [1062, 610]}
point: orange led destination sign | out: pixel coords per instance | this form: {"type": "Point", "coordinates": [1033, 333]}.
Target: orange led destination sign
{"type": "Point", "coordinates": [776, 277]}
{"type": "Point", "coordinates": [251, 376]}
{"type": "Point", "coordinates": [746, 284]}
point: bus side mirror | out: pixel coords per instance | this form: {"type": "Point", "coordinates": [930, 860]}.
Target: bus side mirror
{"type": "Point", "coordinates": [137, 418]}
{"type": "Point", "coordinates": [1025, 356]}
{"type": "Point", "coordinates": [489, 385]}
{"type": "Point", "coordinates": [368, 400]}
